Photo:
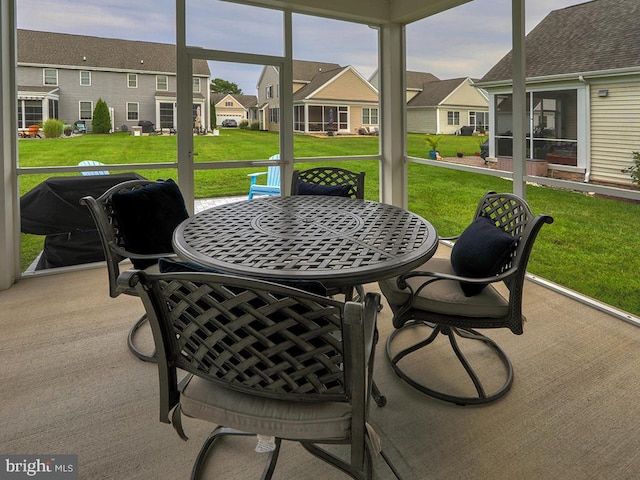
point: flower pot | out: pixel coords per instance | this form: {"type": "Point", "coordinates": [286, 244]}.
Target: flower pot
{"type": "Point", "coordinates": [433, 154]}
{"type": "Point", "coordinates": [460, 154]}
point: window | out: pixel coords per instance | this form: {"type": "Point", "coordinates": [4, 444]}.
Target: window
{"type": "Point", "coordinates": [162, 82]}
{"type": "Point", "coordinates": [132, 80]}
{"type": "Point", "coordinates": [228, 104]}
{"type": "Point", "coordinates": [166, 115]}
{"type": "Point", "coordinates": [132, 111]}
{"type": "Point", "coordinates": [86, 110]}
{"type": "Point", "coordinates": [269, 91]}
{"type": "Point", "coordinates": [369, 116]}
{"type": "Point", "coordinates": [50, 76]}
{"type": "Point", "coordinates": [298, 118]}
{"type": "Point", "coordinates": [453, 118]}
{"type": "Point", "coordinates": [53, 109]}
{"type": "Point", "coordinates": [196, 85]}
{"type": "Point", "coordinates": [479, 120]}
{"type": "Point", "coordinates": [274, 115]}
{"type": "Point", "coordinates": [32, 112]}
{"type": "Point", "coordinates": [85, 78]}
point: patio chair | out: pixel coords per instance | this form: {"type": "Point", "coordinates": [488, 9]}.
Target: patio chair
{"type": "Point", "coordinates": [33, 131]}
{"type": "Point", "coordinates": [135, 220]}
{"type": "Point", "coordinates": [328, 181]}
{"type": "Point", "coordinates": [272, 186]}
{"type": "Point", "coordinates": [262, 359]}
{"type": "Point", "coordinates": [92, 163]}
{"type": "Point", "coordinates": [454, 296]}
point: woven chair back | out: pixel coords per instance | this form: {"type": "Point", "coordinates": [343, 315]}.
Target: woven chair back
{"type": "Point", "coordinates": [330, 176]}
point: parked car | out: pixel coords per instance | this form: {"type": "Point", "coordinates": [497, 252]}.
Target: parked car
{"type": "Point", "coordinates": [229, 122]}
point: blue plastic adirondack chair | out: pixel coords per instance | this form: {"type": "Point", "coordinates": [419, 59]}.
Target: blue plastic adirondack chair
{"type": "Point", "coordinates": [272, 186]}
{"type": "Point", "coordinates": [86, 163]}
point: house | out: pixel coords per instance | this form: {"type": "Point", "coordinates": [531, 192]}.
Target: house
{"type": "Point", "coordinates": [234, 107]}
{"type": "Point", "coordinates": [583, 92]}
{"type": "Point", "coordinates": [414, 81]}
{"type": "Point", "coordinates": [63, 76]}
{"type": "Point", "coordinates": [327, 98]}
{"type": "Point", "coordinates": [442, 106]}
{"type": "Point", "coordinates": [446, 106]}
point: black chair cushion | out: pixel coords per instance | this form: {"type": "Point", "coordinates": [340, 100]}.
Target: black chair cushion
{"type": "Point", "coordinates": [147, 217]}
{"type": "Point", "coordinates": [481, 251]}
{"type": "Point", "coordinates": [306, 188]}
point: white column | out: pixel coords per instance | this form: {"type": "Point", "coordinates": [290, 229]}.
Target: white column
{"type": "Point", "coordinates": [520, 116]}
{"type": "Point", "coordinates": [9, 211]}
{"type": "Point", "coordinates": [286, 108]}
{"type": "Point", "coordinates": [393, 115]}
{"type": "Point", "coordinates": [184, 78]}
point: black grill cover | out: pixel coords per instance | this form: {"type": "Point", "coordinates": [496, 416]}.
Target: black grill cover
{"type": "Point", "coordinates": [53, 209]}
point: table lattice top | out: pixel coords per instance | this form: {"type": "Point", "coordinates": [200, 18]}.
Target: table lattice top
{"type": "Point", "coordinates": [334, 240]}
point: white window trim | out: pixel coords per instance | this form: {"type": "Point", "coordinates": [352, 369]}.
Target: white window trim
{"type": "Point", "coordinates": [85, 84]}
{"type": "Point", "coordinates": [166, 88]}
{"type": "Point", "coordinates": [196, 85]}
{"type": "Point", "coordinates": [131, 76]}
{"type": "Point", "coordinates": [80, 110]}
{"type": "Point", "coordinates": [137, 111]}
{"type": "Point", "coordinates": [44, 76]}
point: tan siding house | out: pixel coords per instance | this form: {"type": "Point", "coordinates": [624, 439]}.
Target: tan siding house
{"type": "Point", "coordinates": [445, 106]}
{"type": "Point", "coordinates": [583, 89]}
{"type": "Point", "coordinates": [234, 107]}
{"type": "Point", "coordinates": [327, 98]}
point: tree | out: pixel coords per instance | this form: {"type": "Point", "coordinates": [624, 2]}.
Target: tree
{"type": "Point", "coordinates": [213, 121]}
{"type": "Point", "coordinates": [218, 85]}
{"type": "Point", "coordinates": [101, 122]}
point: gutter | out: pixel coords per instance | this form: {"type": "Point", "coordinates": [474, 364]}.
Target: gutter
{"type": "Point", "coordinates": [616, 72]}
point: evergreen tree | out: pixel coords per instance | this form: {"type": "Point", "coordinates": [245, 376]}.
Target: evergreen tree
{"type": "Point", "coordinates": [101, 122]}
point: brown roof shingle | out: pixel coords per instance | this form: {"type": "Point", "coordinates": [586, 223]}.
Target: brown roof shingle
{"type": "Point", "coordinates": [62, 49]}
{"type": "Point", "coordinates": [433, 93]}
{"type": "Point", "coordinates": [592, 36]}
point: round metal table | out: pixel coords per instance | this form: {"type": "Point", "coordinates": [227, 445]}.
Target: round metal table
{"type": "Point", "coordinates": [334, 240]}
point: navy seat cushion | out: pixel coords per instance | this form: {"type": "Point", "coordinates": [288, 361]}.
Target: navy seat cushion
{"type": "Point", "coordinates": [306, 188]}
{"type": "Point", "coordinates": [481, 251]}
{"type": "Point", "coordinates": [147, 217]}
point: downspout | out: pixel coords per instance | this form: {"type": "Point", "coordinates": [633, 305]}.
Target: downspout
{"type": "Point", "coordinates": [587, 115]}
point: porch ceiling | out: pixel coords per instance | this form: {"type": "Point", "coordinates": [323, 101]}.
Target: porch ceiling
{"type": "Point", "coordinates": [376, 12]}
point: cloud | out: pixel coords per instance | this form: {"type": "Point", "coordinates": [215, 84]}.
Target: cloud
{"type": "Point", "coordinates": [465, 41]}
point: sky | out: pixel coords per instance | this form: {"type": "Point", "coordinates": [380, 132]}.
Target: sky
{"type": "Point", "coordinates": [463, 42]}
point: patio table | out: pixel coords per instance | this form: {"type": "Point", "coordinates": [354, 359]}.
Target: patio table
{"type": "Point", "coordinates": [337, 241]}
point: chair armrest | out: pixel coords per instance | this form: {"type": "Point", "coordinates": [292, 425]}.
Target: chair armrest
{"type": "Point", "coordinates": [254, 176]}
{"type": "Point", "coordinates": [435, 276]}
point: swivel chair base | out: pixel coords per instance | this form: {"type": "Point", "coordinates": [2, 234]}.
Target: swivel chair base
{"type": "Point", "coordinates": [482, 396]}
{"type": "Point", "coordinates": [131, 342]}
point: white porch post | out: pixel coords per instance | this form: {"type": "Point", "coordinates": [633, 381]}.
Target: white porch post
{"type": "Point", "coordinates": [184, 99]}
{"type": "Point", "coordinates": [520, 117]}
{"type": "Point", "coordinates": [9, 211]}
{"type": "Point", "coordinates": [393, 106]}
{"type": "Point", "coordinates": [286, 108]}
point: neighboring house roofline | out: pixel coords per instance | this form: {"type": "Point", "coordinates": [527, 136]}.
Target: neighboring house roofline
{"type": "Point", "coordinates": [334, 78]}
{"type": "Point", "coordinates": [574, 76]}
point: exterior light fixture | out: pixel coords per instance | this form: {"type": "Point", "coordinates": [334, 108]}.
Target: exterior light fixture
{"type": "Point", "coordinates": [603, 93]}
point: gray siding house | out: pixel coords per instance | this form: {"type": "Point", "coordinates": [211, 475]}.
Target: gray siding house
{"type": "Point", "coordinates": [63, 76]}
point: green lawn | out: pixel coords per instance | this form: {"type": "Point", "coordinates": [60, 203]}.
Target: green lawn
{"type": "Point", "coordinates": [589, 248]}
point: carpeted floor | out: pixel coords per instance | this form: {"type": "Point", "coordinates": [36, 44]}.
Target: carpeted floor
{"type": "Point", "coordinates": [70, 386]}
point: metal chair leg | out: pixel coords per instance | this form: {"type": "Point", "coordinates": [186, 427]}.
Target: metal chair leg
{"type": "Point", "coordinates": [451, 332]}
{"type": "Point", "coordinates": [131, 342]}
{"type": "Point", "coordinates": [218, 432]}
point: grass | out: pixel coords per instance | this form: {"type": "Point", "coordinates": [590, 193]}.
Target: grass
{"type": "Point", "coordinates": [590, 248]}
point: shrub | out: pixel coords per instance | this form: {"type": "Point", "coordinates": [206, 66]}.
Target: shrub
{"type": "Point", "coordinates": [101, 119]}
{"type": "Point", "coordinates": [255, 125]}
{"type": "Point", "coordinates": [433, 142]}
{"type": "Point", "coordinates": [53, 128]}
{"type": "Point", "coordinates": [634, 170]}
{"type": "Point", "coordinates": [244, 124]}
